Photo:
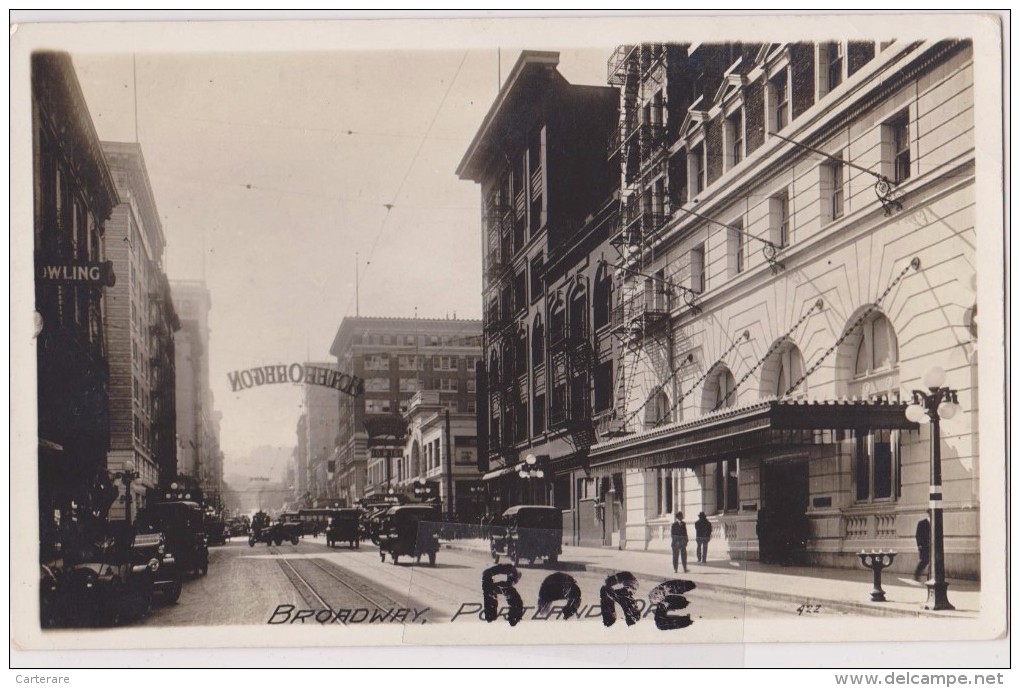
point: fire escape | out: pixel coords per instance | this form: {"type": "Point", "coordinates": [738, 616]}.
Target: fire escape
{"type": "Point", "coordinates": [640, 315]}
{"type": "Point", "coordinates": [571, 362]}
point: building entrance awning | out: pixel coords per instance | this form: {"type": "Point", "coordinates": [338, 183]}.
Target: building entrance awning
{"type": "Point", "coordinates": [499, 473]}
{"type": "Point", "coordinates": [789, 427]}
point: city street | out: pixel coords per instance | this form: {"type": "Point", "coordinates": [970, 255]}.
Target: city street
{"type": "Point", "coordinates": [248, 585]}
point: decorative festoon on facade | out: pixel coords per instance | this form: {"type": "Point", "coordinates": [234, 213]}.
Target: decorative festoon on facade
{"type": "Point", "coordinates": [810, 255]}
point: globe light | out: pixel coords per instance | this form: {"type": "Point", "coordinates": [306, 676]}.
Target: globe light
{"type": "Point", "coordinates": [935, 378]}
{"type": "Point", "coordinates": [173, 486]}
{"type": "Point", "coordinates": [539, 473]}
{"type": "Point", "coordinates": [948, 409]}
{"type": "Point", "coordinates": [530, 459]}
{"type": "Point", "coordinates": [916, 414]}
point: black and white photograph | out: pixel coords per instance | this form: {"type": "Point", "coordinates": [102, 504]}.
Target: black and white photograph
{"type": "Point", "coordinates": [481, 331]}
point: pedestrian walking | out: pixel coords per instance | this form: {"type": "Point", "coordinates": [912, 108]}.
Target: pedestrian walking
{"type": "Point", "coordinates": [702, 534]}
{"type": "Point", "coordinates": [923, 537]}
{"type": "Point", "coordinates": [678, 537]}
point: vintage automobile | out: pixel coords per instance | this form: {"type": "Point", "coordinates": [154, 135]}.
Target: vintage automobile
{"type": "Point", "coordinates": [275, 532]}
{"type": "Point", "coordinates": [314, 521]}
{"type": "Point", "coordinates": [111, 576]}
{"type": "Point", "coordinates": [237, 527]}
{"type": "Point", "coordinates": [149, 549]}
{"type": "Point", "coordinates": [216, 530]}
{"type": "Point", "coordinates": [411, 530]}
{"type": "Point", "coordinates": [344, 526]}
{"type": "Point", "coordinates": [183, 525]}
{"type": "Point", "coordinates": [528, 532]}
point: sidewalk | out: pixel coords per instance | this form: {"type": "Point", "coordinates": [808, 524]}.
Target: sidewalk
{"type": "Point", "coordinates": [846, 590]}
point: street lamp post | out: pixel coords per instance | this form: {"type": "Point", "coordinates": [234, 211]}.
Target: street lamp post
{"type": "Point", "coordinates": [939, 402]}
{"type": "Point", "coordinates": [530, 471]}
{"type": "Point", "coordinates": [127, 477]}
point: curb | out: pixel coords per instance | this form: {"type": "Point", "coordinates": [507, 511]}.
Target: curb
{"type": "Point", "coordinates": [775, 597]}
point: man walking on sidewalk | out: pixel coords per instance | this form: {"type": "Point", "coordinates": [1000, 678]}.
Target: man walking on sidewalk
{"type": "Point", "coordinates": [923, 538]}
{"type": "Point", "coordinates": [678, 537]}
{"type": "Point", "coordinates": [702, 534]}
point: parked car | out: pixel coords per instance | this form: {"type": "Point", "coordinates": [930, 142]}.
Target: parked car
{"type": "Point", "coordinates": [183, 525]}
{"type": "Point", "coordinates": [528, 532]}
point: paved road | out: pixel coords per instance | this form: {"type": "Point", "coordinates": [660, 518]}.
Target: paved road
{"type": "Point", "coordinates": [256, 585]}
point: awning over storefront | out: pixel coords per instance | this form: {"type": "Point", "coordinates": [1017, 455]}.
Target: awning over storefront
{"type": "Point", "coordinates": [499, 473]}
{"type": "Point", "coordinates": [757, 429]}
{"type": "Point", "coordinates": [385, 431]}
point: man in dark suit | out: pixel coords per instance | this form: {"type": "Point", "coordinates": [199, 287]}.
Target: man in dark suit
{"type": "Point", "coordinates": [678, 538]}
{"type": "Point", "coordinates": [923, 538]}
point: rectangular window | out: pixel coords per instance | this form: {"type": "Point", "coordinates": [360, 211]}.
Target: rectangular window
{"type": "Point", "coordinates": [779, 218]}
{"type": "Point", "coordinates": [733, 132]}
{"type": "Point", "coordinates": [727, 485]}
{"type": "Point", "coordinates": [377, 384]}
{"type": "Point", "coordinates": [832, 188]}
{"type": "Point", "coordinates": [447, 385]}
{"type": "Point", "coordinates": [535, 274]}
{"type": "Point", "coordinates": [735, 247]}
{"type": "Point", "coordinates": [408, 384]}
{"type": "Point", "coordinates": [373, 362]}
{"type": "Point", "coordinates": [779, 101]}
{"type": "Point", "coordinates": [876, 465]}
{"type": "Point", "coordinates": [538, 413]}
{"type": "Point", "coordinates": [696, 162]}
{"type": "Point", "coordinates": [698, 269]}
{"type": "Point", "coordinates": [471, 384]}
{"type": "Point", "coordinates": [831, 63]}
{"type": "Point", "coordinates": [896, 135]}
{"type": "Point", "coordinates": [604, 386]}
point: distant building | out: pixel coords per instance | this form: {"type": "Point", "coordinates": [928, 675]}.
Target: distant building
{"type": "Point", "coordinates": [140, 327]}
{"type": "Point", "coordinates": [321, 425]}
{"type": "Point", "coordinates": [440, 459]}
{"type": "Point", "coordinates": [396, 357]}
{"type": "Point", "coordinates": [74, 196]}
{"type": "Point", "coordinates": [200, 461]}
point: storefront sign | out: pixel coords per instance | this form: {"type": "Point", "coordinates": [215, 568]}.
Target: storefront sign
{"type": "Point", "coordinates": [296, 373]}
{"type": "Point", "coordinates": [99, 274]}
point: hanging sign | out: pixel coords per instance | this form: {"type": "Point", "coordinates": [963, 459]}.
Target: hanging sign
{"type": "Point", "coordinates": [296, 373]}
{"type": "Point", "coordinates": [98, 274]}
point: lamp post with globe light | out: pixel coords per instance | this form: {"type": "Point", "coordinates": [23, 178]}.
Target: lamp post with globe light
{"type": "Point", "coordinates": [530, 470]}
{"type": "Point", "coordinates": [127, 476]}
{"type": "Point", "coordinates": [939, 402]}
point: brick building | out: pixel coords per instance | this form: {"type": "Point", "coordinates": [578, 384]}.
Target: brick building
{"type": "Point", "coordinates": [140, 326]}
{"type": "Point", "coordinates": [74, 194]}
{"type": "Point", "coordinates": [549, 189]}
{"type": "Point", "coordinates": [396, 357]}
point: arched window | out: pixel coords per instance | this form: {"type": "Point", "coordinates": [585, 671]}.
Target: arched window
{"type": "Point", "coordinates": [877, 348]}
{"type": "Point", "coordinates": [557, 321]}
{"type": "Point", "coordinates": [521, 350]}
{"type": "Point", "coordinates": [719, 390]}
{"type": "Point", "coordinates": [602, 299]}
{"type": "Point", "coordinates": [784, 367]}
{"type": "Point", "coordinates": [578, 315]}
{"type": "Point", "coordinates": [538, 342]}
{"type": "Point", "coordinates": [415, 459]}
{"type": "Point", "coordinates": [493, 367]}
{"type": "Point", "coordinates": [657, 410]}
{"type": "Point", "coordinates": [871, 364]}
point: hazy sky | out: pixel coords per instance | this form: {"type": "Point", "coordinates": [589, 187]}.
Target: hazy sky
{"type": "Point", "coordinates": [271, 170]}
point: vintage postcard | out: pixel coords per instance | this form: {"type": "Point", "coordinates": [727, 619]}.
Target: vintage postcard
{"type": "Point", "coordinates": [474, 331]}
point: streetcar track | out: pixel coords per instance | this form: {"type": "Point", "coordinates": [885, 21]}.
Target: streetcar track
{"type": "Point", "coordinates": [391, 603]}
{"type": "Point", "coordinates": [285, 565]}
